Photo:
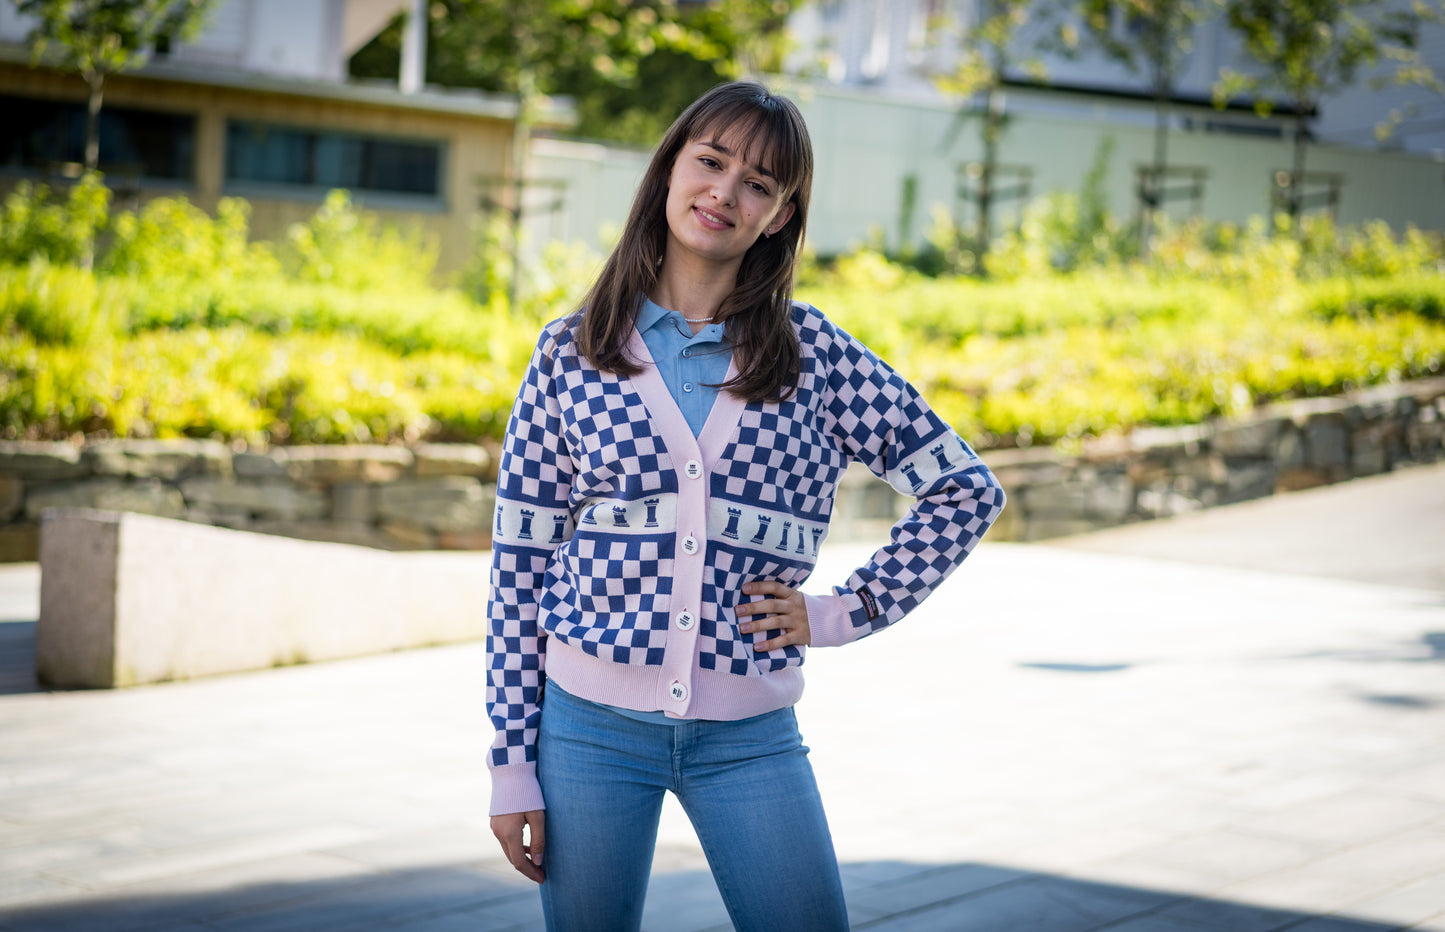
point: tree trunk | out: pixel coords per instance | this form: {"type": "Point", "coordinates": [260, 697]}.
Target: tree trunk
{"type": "Point", "coordinates": [992, 120]}
{"type": "Point", "coordinates": [1154, 188]}
{"type": "Point", "coordinates": [521, 141]}
{"type": "Point", "coordinates": [96, 80]}
{"type": "Point", "coordinates": [1295, 198]}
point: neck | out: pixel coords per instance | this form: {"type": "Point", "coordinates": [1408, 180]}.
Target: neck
{"type": "Point", "coordinates": [696, 292]}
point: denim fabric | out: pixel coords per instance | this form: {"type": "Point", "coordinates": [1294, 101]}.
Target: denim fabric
{"type": "Point", "coordinates": [747, 786]}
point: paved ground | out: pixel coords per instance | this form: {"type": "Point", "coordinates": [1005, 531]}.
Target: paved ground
{"type": "Point", "coordinates": [1059, 740]}
{"type": "Point", "coordinates": [1389, 529]}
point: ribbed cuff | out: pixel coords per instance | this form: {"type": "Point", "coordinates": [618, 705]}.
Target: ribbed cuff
{"type": "Point", "coordinates": [515, 789]}
{"type": "Point", "coordinates": [829, 621]}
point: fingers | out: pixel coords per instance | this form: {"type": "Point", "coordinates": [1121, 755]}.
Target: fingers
{"type": "Point", "coordinates": [539, 840]}
{"type": "Point", "coordinates": [511, 831]}
{"type": "Point", "coordinates": [785, 612]}
{"type": "Point", "coordinates": [763, 607]}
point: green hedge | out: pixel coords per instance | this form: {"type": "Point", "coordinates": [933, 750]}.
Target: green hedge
{"type": "Point", "coordinates": [1118, 352]}
{"type": "Point", "coordinates": [338, 333]}
{"type": "Point", "coordinates": [1027, 362]}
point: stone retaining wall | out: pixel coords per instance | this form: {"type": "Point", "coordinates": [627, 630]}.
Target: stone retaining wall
{"type": "Point", "coordinates": [440, 496]}
{"type": "Point", "coordinates": [426, 497]}
{"type": "Point", "coordinates": [1157, 473]}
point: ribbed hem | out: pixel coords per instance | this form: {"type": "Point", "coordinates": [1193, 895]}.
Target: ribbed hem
{"type": "Point", "coordinates": [721, 697]}
{"type": "Point", "coordinates": [515, 789]}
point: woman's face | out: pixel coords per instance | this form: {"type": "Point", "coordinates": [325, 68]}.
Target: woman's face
{"type": "Point", "coordinates": [719, 203]}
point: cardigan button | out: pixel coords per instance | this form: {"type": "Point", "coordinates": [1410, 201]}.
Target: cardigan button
{"type": "Point", "coordinates": [693, 469]}
{"type": "Point", "coordinates": [685, 620]}
{"type": "Point", "coordinates": [689, 545]}
{"type": "Point", "coordinates": [678, 691]}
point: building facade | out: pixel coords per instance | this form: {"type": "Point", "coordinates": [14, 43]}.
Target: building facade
{"type": "Point", "coordinates": [260, 106]}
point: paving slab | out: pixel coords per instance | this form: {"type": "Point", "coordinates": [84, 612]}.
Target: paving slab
{"type": "Point", "coordinates": [1059, 739]}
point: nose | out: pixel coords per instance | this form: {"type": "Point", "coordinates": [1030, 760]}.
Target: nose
{"type": "Point", "coordinates": [724, 189]}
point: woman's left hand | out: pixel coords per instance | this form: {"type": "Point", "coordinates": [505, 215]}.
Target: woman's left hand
{"type": "Point", "coordinates": [786, 611]}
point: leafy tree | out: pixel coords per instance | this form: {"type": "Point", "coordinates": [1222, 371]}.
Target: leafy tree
{"type": "Point", "coordinates": [1155, 41]}
{"type": "Point", "coordinates": [630, 66]}
{"type": "Point", "coordinates": [101, 37]}
{"type": "Point", "coordinates": [1309, 48]}
{"type": "Point", "coordinates": [987, 54]}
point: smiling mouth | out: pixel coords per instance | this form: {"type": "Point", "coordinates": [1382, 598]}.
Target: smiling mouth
{"type": "Point", "coordinates": [711, 219]}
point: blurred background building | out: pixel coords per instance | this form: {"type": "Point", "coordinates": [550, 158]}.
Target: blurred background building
{"type": "Point", "coordinates": [261, 105]}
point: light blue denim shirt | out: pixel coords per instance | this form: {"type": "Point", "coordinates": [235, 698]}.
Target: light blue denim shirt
{"type": "Point", "coordinates": [687, 363]}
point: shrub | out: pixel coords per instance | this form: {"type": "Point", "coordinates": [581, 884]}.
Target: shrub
{"type": "Point", "coordinates": [33, 223]}
{"type": "Point", "coordinates": [61, 304]}
{"type": "Point", "coordinates": [173, 241]}
{"type": "Point", "coordinates": [341, 246]}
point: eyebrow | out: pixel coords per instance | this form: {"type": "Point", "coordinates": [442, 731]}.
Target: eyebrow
{"type": "Point", "coordinates": [714, 144]}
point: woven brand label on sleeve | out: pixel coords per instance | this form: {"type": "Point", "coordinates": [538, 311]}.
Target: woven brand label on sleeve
{"type": "Point", "coordinates": [870, 604]}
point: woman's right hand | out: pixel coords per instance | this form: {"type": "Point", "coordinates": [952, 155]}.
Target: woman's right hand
{"type": "Point", "coordinates": [509, 830]}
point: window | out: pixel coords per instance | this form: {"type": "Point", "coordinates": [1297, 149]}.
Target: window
{"type": "Point", "coordinates": [40, 133]}
{"type": "Point", "coordinates": [267, 154]}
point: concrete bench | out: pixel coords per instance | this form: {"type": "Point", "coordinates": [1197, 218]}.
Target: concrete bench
{"type": "Point", "coordinates": [128, 599]}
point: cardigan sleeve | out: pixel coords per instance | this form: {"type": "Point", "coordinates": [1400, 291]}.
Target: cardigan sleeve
{"type": "Point", "coordinates": [880, 420]}
{"type": "Point", "coordinates": [533, 483]}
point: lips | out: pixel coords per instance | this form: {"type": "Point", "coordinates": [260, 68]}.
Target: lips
{"type": "Point", "coordinates": [710, 220]}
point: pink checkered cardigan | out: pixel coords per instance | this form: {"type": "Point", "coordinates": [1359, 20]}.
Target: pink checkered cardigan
{"type": "Point", "coordinates": [622, 541]}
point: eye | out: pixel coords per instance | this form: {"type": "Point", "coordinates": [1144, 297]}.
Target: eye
{"type": "Point", "coordinates": [759, 187]}
{"type": "Point", "coordinates": [708, 160]}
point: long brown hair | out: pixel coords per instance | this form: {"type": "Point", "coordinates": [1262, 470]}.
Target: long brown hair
{"type": "Point", "coordinates": [757, 311]}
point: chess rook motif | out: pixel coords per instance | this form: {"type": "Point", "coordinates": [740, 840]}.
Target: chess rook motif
{"type": "Point", "coordinates": [943, 464]}
{"type": "Point", "coordinates": [911, 472]}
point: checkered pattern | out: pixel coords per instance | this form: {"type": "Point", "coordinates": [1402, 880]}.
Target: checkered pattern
{"type": "Point", "coordinates": [610, 597]}
{"type": "Point", "coordinates": [720, 645]}
{"type": "Point", "coordinates": [583, 440]}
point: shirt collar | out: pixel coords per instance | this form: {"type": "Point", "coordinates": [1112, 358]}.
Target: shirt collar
{"type": "Point", "coordinates": [652, 314]}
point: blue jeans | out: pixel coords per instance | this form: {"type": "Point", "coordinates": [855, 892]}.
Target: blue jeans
{"type": "Point", "coordinates": [746, 785]}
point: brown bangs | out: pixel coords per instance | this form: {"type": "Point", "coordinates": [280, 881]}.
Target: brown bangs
{"type": "Point", "coordinates": [764, 137]}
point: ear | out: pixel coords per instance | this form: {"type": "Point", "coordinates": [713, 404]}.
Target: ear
{"type": "Point", "coordinates": [782, 217]}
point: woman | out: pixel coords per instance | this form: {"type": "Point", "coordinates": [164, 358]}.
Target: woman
{"type": "Point", "coordinates": [666, 480]}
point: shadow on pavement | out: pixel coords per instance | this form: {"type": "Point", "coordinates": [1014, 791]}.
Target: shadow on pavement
{"type": "Point", "coordinates": [882, 895]}
{"type": "Point", "coordinates": [17, 658]}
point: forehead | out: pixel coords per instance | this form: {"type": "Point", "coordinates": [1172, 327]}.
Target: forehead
{"type": "Point", "coordinates": [747, 141]}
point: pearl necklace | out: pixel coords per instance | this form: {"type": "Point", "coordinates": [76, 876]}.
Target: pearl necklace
{"type": "Point", "coordinates": [697, 320]}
